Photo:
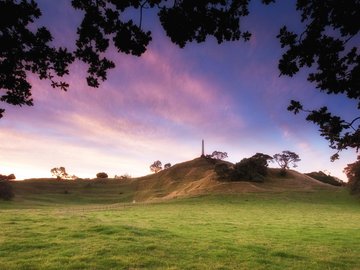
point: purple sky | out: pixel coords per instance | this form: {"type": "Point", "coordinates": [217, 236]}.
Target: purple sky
{"type": "Point", "coordinates": [161, 105]}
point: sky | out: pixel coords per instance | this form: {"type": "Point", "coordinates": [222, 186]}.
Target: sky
{"type": "Point", "coordinates": [161, 105]}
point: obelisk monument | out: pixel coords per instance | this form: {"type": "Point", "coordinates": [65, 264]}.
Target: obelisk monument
{"type": "Point", "coordinates": [202, 149]}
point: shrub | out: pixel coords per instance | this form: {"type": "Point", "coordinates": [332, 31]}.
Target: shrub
{"type": "Point", "coordinates": [167, 165]}
{"type": "Point", "coordinates": [101, 175]}
{"type": "Point", "coordinates": [249, 169]}
{"type": "Point", "coordinates": [123, 177]}
{"type": "Point", "coordinates": [223, 171]}
{"type": "Point", "coordinates": [328, 179]}
{"type": "Point", "coordinates": [7, 177]}
{"type": "Point", "coordinates": [156, 166]}
{"type": "Point", "coordinates": [352, 172]}
{"type": "Point", "coordinates": [6, 190]}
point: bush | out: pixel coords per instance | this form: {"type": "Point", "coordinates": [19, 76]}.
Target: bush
{"type": "Point", "coordinates": [248, 169]}
{"type": "Point", "coordinates": [167, 165]}
{"type": "Point", "coordinates": [101, 175]}
{"type": "Point", "coordinates": [252, 169]}
{"type": "Point", "coordinates": [7, 177]}
{"type": "Point", "coordinates": [352, 172]}
{"type": "Point", "coordinates": [6, 190]}
{"type": "Point", "coordinates": [223, 171]}
{"type": "Point", "coordinates": [328, 179]}
{"type": "Point", "coordinates": [123, 177]}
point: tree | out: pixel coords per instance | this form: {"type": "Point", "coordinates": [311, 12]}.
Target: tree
{"type": "Point", "coordinates": [248, 169]}
{"type": "Point", "coordinates": [156, 166]}
{"type": "Point", "coordinates": [325, 48]}
{"type": "Point", "coordinates": [24, 51]}
{"type": "Point", "coordinates": [253, 168]}
{"type": "Point", "coordinates": [352, 172]}
{"type": "Point", "coordinates": [285, 159]}
{"type": "Point", "coordinates": [223, 171]}
{"type": "Point", "coordinates": [7, 177]}
{"type": "Point", "coordinates": [219, 155]}
{"type": "Point", "coordinates": [326, 178]}
{"type": "Point", "coordinates": [326, 44]}
{"type": "Point", "coordinates": [6, 190]}
{"type": "Point", "coordinates": [167, 165]}
{"type": "Point", "coordinates": [102, 175]}
{"type": "Point", "coordinates": [59, 173]}
{"type": "Point", "coordinates": [27, 50]}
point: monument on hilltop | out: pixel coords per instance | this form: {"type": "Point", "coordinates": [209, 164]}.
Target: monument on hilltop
{"type": "Point", "coordinates": [202, 149]}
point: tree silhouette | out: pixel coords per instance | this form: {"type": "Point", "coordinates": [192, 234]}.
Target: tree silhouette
{"type": "Point", "coordinates": [285, 159]}
{"type": "Point", "coordinates": [219, 155]}
{"type": "Point", "coordinates": [329, 47]}
{"type": "Point", "coordinates": [167, 165]}
{"type": "Point", "coordinates": [25, 50]}
{"type": "Point", "coordinates": [6, 190]}
{"type": "Point", "coordinates": [327, 44]}
{"type": "Point", "coordinates": [352, 171]}
{"type": "Point", "coordinates": [156, 166]}
{"type": "Point", "coordinates": [102, 175]}
{"type": "Point", "coordinates": [59, 173]}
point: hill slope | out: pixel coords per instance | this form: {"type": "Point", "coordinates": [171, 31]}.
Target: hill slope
{"type": "Point", "coordinates": [190, 178]}
{"type": "Point", "coordinates": [197, 177]}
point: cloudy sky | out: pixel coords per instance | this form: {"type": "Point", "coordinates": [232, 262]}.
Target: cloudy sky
{"type": "Point", "coordinates": [161, 105]}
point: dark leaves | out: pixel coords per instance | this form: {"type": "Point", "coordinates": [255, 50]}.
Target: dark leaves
{"type": "Point", "coordinates": [324, 47]}
{"type": "Point", "coordinates": [295, 106]}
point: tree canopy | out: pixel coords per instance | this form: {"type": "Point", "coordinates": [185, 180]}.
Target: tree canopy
{"type": "Point", "coordinates": [156, 166]}
{"type": "Point", "coordinates": [326, 47]}
{"type": "Point", "coordinates": [285, 159]}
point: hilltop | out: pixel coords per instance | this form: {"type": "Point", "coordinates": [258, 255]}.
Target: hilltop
{"type": "Point", "coordinates": [186, 179]}
{"type": "Point", "coordinates": [197, 177]}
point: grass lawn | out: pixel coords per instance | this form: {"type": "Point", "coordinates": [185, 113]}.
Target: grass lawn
{"type": "Point", "coordinates": [303, 230]}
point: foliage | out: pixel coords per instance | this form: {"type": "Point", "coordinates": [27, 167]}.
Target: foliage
{"type": "Point", "coordinates": [326, 45]}
{"type": "Point", "coordinates": [7, 177]}
{"type": "Point", "coordinates": [325, 178]}
{"type": "Point", "coordinates": [285, 159]}
{"type": "Point", "coordinates": [59, 173]}
{"type": "Point", "coordinates": [6, 190]}
{"type": "Point", "coordinates": [253, 168]}
{"type": "Point", "coordinates": [219, 155]}
{"type": "Point", "coordinates": [156, 166]}
{"type": "Point", "coordinates": [167, 165]}
{"type": "Point", "coordinates": [27, 50]}
{"type": "Point", "coordinates": [123, 177]}
{"type": "Point", "coordinates": [328, 48]}
{"type": "Point", "coordinates": [102, 175]}
{"type": "Point", "coordinates": [248, 169]}
{"type": "Point", "coordinates": [223, 171]}
{"type": "Point", "coordinates": [352, 171]}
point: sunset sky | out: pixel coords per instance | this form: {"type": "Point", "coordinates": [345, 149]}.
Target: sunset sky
{"type": "Point", "coordinates": [161, 105]}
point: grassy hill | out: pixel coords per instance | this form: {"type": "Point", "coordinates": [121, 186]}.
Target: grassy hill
{"type": "Point", "coordinates": [294, 222]}
{"type": "Point", "coordinates": [197, 177]}
{"type": "Point", "coordinates": [191, 178]}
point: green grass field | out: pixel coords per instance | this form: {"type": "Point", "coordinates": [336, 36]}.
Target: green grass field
{"type": "Point", "coordinates": [288, 230]}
